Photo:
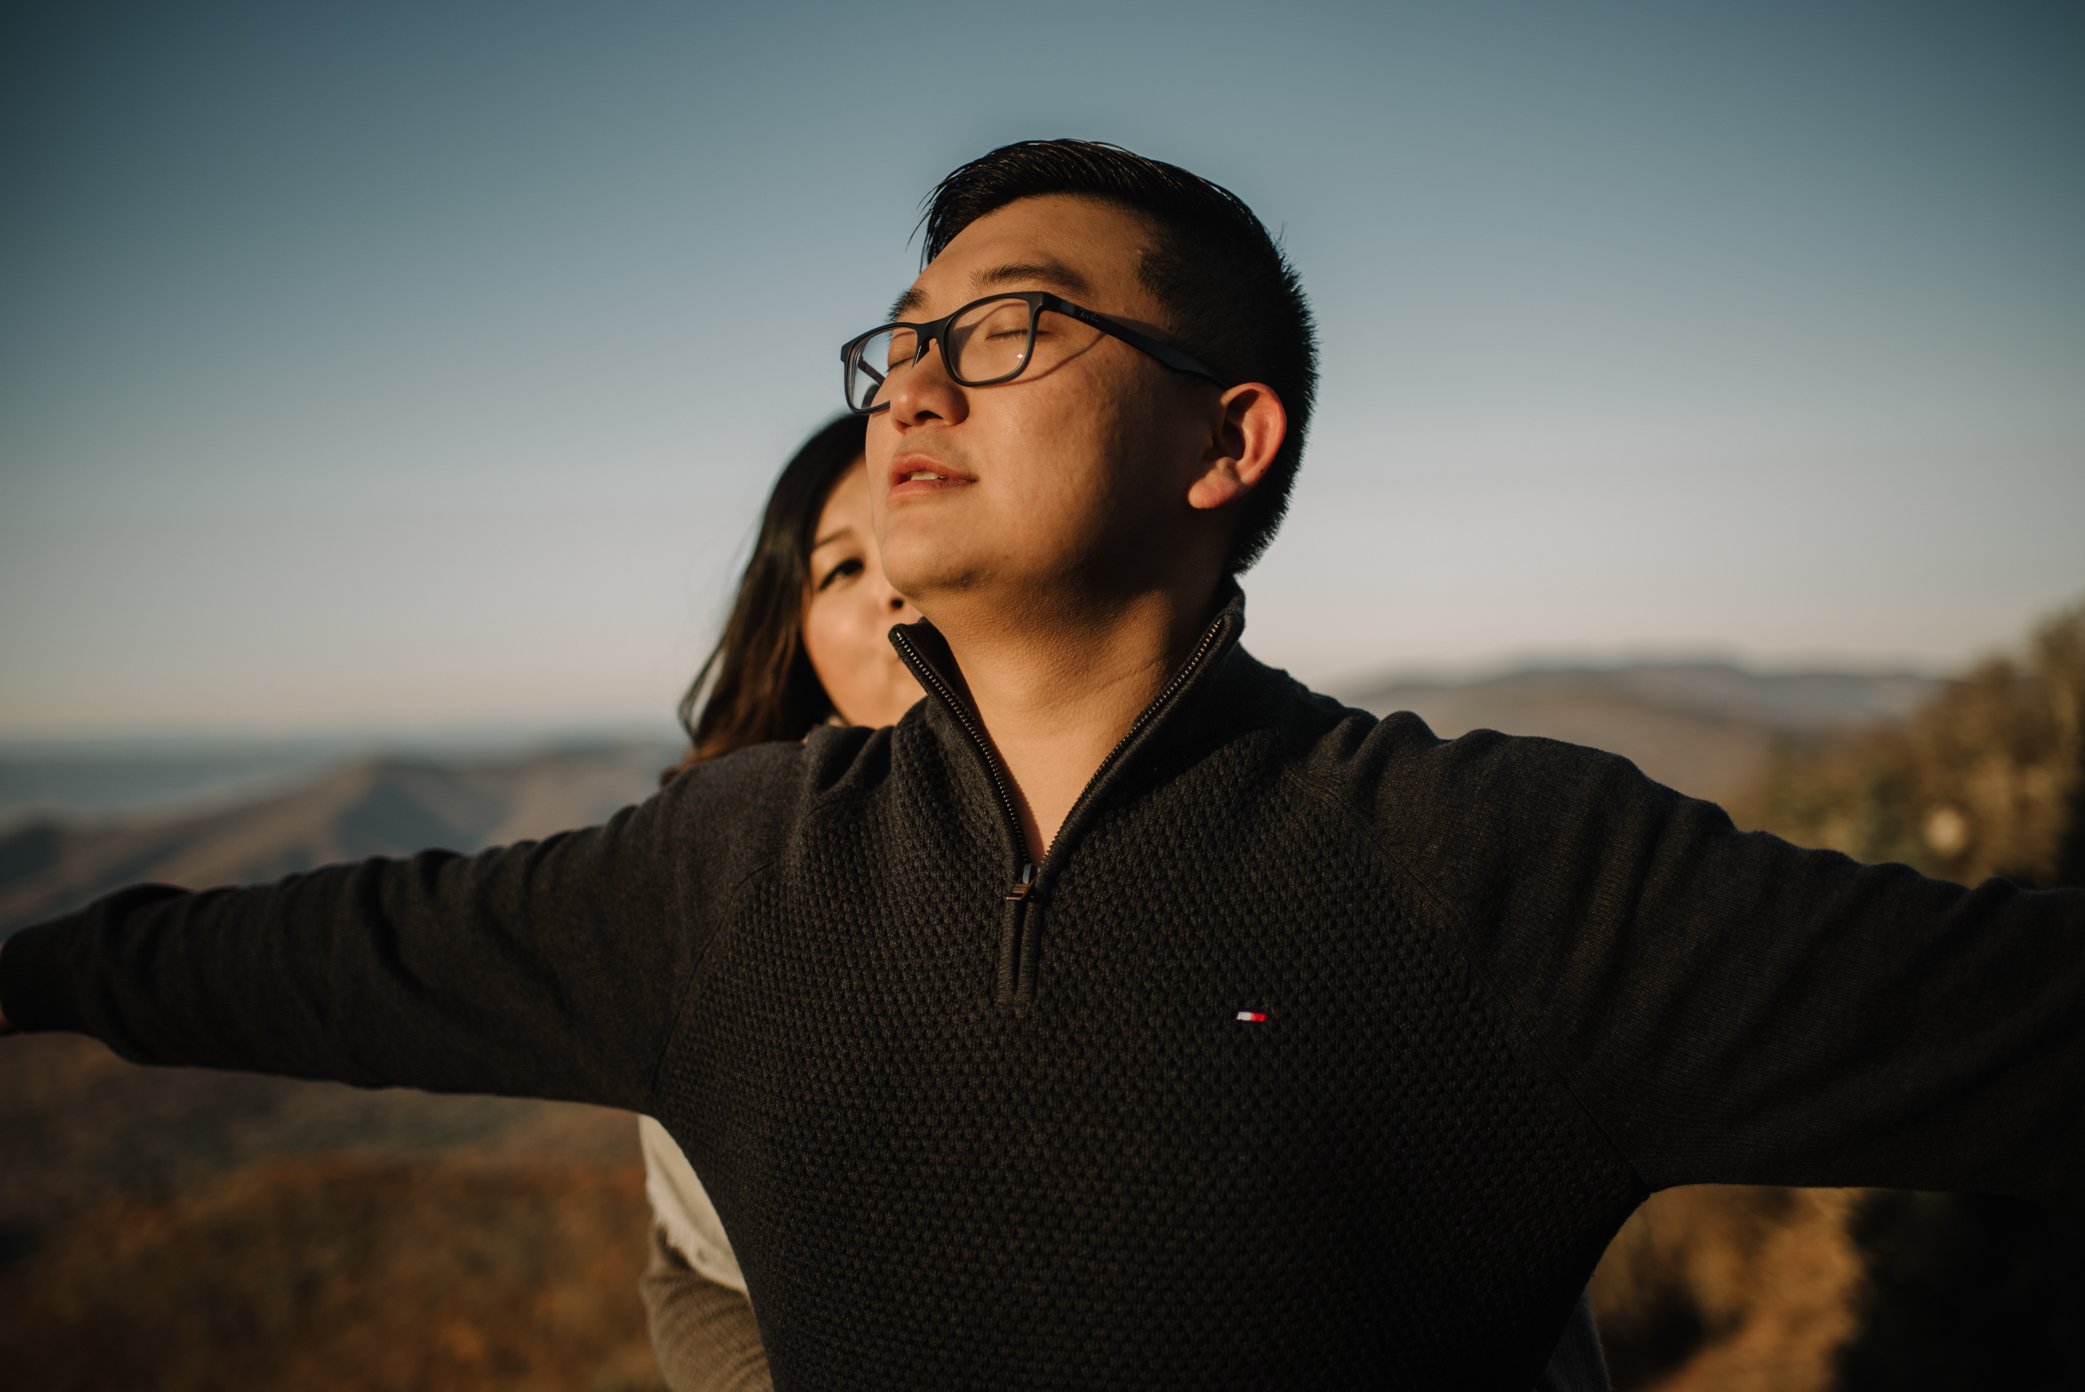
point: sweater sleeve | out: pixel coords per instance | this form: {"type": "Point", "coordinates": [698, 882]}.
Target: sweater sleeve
{"type": "Point", "coordinates": [1733, 1009]}
{"type": "Point", "coordinates": [550, 969]}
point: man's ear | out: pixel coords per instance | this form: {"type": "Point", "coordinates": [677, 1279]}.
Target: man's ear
{"type": "Point", "coordinates": [1249, 427]}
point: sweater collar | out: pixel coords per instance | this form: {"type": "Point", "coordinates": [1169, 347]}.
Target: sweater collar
{"type": "Point", "coordinates": [926, 650]}
{"type": "Point", "coordinates": [1218, 640]}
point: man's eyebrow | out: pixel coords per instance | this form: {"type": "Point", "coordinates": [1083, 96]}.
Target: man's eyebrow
{"type": "Point", "coordinates": [1049, 272]}
{"type": "Point", "coordinates": [1054, 273]}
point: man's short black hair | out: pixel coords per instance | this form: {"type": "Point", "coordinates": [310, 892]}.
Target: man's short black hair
{"type": "Point", "coordinates": [1233, 298]}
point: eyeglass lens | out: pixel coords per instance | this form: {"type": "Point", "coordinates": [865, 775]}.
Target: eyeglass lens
{"type": "Point", "coordinates": [987, 343]}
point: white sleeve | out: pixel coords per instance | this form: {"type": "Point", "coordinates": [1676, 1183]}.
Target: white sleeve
{"type": "Point", "coordinates": [682, 1208]}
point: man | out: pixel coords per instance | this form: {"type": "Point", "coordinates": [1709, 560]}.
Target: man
{"type": "Point", "coordinates": [1129, 1016]}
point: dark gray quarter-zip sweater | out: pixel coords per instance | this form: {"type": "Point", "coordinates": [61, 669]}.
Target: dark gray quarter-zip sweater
{"type": "Point", "coordinates": [1319, 1052]}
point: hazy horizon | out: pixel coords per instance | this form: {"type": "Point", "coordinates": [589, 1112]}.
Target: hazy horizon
{"type": "Point", "coordinates": [447, 735]}
{"type": "Point", "coordinates": [142, 778]}
{"type": "Point", "coordinates": [409, 366]}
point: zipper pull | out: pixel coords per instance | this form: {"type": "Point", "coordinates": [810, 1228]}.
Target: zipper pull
{"type": "Point", "coordinates": [1018, 890]}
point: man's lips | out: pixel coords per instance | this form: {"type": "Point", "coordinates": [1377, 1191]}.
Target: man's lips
{"type": "Point", "coordinates": [912, 474]}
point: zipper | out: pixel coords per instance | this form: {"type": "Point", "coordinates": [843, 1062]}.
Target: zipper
{"type": "Point", "coordinates": [1018, 890]}
{"type": "Point", "coordinates": [924, 670]}
{"type": "Point", "coordinates": [1021, 932]}
{"type": "Point", "coordinates": [1137, 726]}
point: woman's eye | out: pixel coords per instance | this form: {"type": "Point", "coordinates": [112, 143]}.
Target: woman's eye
{"type": "Point", "coordinates": [851, 566]}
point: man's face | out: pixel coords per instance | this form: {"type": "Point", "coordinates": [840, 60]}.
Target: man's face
{"type": "Point", "coordinates": [1070, 477]}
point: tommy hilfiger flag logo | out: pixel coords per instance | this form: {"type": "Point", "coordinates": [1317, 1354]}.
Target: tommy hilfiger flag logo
{"type": "Point", "coordinates": [1251, 1017]}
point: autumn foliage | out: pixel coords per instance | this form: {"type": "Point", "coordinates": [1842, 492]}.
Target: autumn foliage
{"type": "Point", "coordinates": [1736, 1289]}
{"type": "Point", "coordinates": [344, 1272]}
{"type": "Point", "coordinates": [1987, 779]}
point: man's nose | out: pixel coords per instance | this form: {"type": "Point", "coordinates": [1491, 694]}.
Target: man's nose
{"type": "Point", "coordinates": [925, 391]}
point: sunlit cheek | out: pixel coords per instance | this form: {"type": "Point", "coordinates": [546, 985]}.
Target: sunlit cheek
{"type": "Point", "coordinates": [881, 445]}
{"type": "Point", "coordinates": [826, 636]}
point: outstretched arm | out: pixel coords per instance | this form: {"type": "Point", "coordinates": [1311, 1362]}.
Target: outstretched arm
{"type": "Point", "coordinates": [1734, 1009]}
{"type": "Point", "coordinates": [549, 968]}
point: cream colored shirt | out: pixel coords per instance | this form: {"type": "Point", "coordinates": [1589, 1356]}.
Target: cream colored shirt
{"type": "Point", "coordinates": [682, 1208]}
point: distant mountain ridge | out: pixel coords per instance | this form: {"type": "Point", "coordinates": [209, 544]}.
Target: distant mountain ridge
{"type": "Point", "coordinates": [1703, 728]}
{"type": "Point", "coordinates": [374, 807]}
{"type": "Point", "coordinates": [1819, 699]}
{"type": "Point", "coordinates": [82, 777]}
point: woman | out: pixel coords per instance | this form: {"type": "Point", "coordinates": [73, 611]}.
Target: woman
{"type": "Point", "coordinates": [806, 645]}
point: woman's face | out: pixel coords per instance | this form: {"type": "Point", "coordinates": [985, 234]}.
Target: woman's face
{"type": "Point", "coordinates": [849, 610]}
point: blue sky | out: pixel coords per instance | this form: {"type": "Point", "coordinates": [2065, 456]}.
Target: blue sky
{"type": "Point", "coordinates": [382, 366]}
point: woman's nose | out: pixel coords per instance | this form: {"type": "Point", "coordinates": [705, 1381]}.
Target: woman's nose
{"type": "Point", "coordinates": [894, 603]}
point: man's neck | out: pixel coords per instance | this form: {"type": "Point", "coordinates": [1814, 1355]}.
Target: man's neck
{"type": "Point", "coordinates": [1057, 685]}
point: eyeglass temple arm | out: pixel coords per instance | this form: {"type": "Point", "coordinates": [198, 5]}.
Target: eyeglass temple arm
{"type": "Point", "coordinates": [1171, 357]}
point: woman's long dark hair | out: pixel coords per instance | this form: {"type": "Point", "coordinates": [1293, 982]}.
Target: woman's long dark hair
{"type": "Point", "coordinates": [757, 684]}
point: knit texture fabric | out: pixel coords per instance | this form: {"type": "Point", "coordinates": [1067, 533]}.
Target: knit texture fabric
{"type": "Point", "coordinates": [1319, 1053]}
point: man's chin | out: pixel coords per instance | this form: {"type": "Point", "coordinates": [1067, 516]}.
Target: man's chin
{"type": "Point", "coordinates": [920, 564]}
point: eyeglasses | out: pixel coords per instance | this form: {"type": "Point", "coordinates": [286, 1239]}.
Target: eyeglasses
{"type": "Point", "coordinates": [987, 342]}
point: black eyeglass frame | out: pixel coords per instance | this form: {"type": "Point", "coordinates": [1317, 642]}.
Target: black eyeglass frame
{"type": "Point", "coordinates": [1038, 300]}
